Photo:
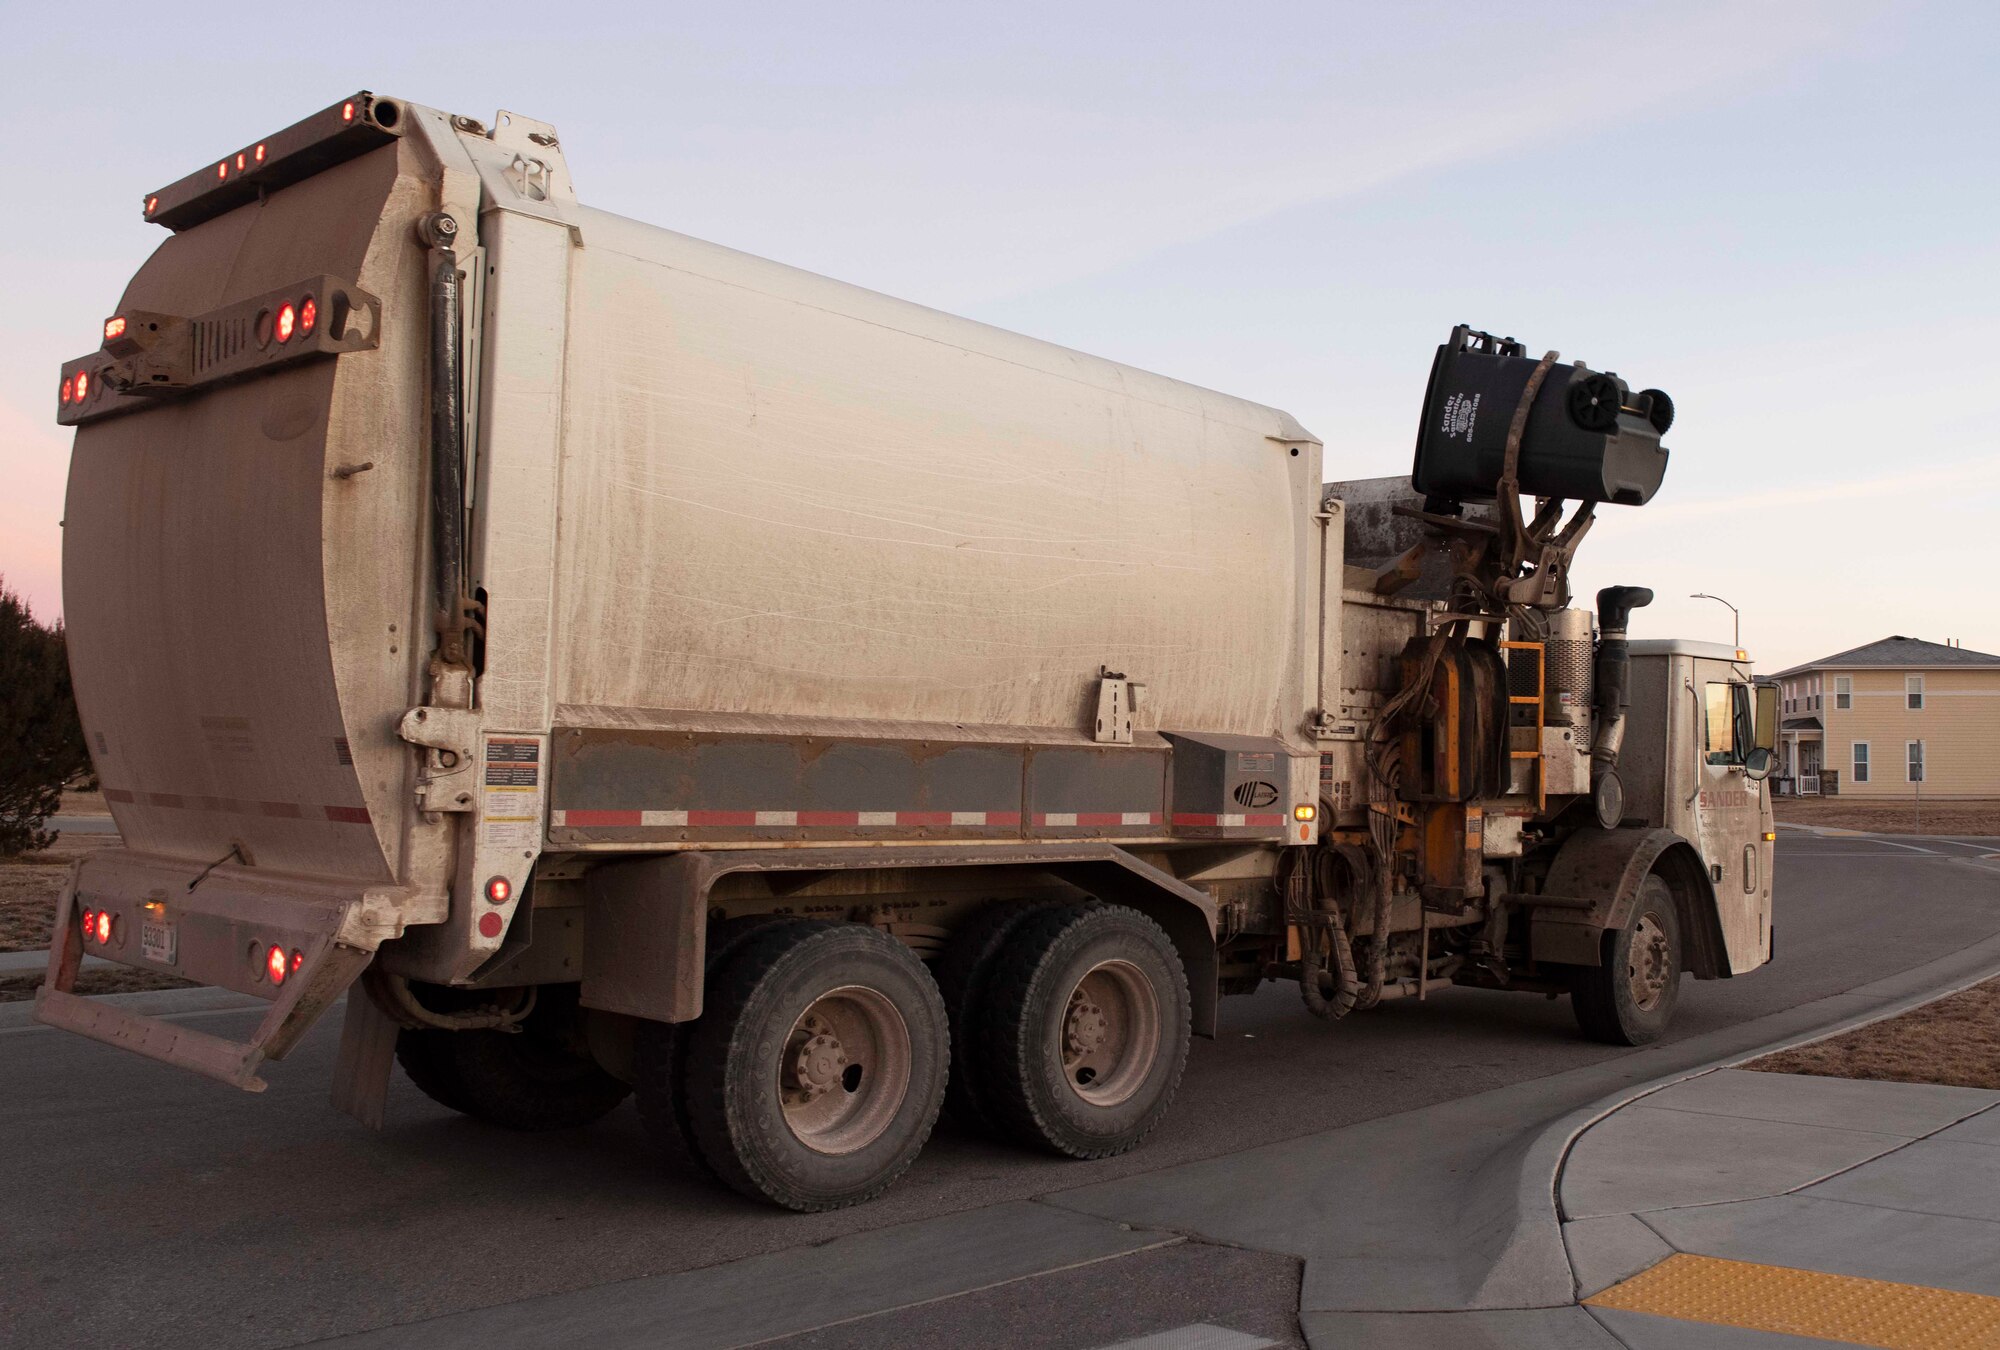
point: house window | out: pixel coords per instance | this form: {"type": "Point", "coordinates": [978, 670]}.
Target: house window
{"type": "Point", "coordinates": [1915, 750]}
{"type": "Point", "coordinates": [1843, 692]}
{"type": "Point", "coordinates": [1815, 702]}
{"type": "Point", "coordinates": [1861, 761]}
{"type": "Point", "coordinates": [1913, 695]}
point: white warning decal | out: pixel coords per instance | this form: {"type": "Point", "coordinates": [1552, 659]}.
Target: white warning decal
{"type": "Point", "coordinates": [511, 805]}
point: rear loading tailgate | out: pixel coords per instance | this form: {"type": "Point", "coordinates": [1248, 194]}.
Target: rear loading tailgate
{"type": "Point", "coordinates": [243, 565]}
{"type": "Point", "coordinates": [295, 942]}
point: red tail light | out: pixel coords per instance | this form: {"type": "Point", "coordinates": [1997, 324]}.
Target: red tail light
{"type": "Point", "coordinates": [347, 112]}
{"type": "Point", "coordinates": [82, 384]}
{"type": "Point", "coordinates": [103, 925]}
{"type": "Point", "coordinates": [66, 387]}
{"type": "Point", "coordinates": [499, 890]}
{"type": "Point", "coordinates": [308, 314]}
{"type": "Point", "coordinates": [114, 327]}
{"type": "Point", "coordinates": [288, 321]}
{"type": "Point", "coordinates": [89, 925]}
{"type": "Point", "coordinates": [276, 965]}
{"type": "Point", "coordinates": [222, 169]}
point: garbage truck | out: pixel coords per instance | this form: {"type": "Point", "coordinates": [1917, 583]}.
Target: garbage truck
{"type": "Point", "coordinates": [600, 663]}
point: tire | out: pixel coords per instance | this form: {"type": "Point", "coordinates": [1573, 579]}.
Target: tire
{"type": "Point", "coordinates": [427, 1061]}
{"type": "Point", "coordinates": [659, 1052]}
{"type": "Point", "coordinates": [541, 1077]}
{"type": "Point", "coordinates": [816, 1072]}
{"type": "Point", "coordinates": [963, 970]}
{"type": "Point", "coordinates": [1630, 998]}
{"type": "Point", "coordinates": [1085, 1032]}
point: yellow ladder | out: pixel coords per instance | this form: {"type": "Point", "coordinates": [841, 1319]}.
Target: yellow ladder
{"type": "Point", "coordinates": [1537, 698]}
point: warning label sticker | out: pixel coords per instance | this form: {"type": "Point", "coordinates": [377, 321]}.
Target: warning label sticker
{"type": "Point", "coordinates": [511, 803]}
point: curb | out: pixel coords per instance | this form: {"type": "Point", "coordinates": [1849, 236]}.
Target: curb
{"type": "Point", "coordinates": [1538, 1161]}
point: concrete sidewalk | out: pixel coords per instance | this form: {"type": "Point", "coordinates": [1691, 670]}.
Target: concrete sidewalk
{"type": "Point", "coordinates": [1741, 1209]}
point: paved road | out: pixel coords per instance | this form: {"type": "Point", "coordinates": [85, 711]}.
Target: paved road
{"type": "Point", "coordinates": [148, 1206]}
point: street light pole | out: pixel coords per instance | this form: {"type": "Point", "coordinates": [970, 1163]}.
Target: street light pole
{"type": "Point", "coordinates": [1735, 615]}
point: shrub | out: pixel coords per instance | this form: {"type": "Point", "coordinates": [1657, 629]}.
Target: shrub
{"type": "Point", "coordinates": [41, 741]}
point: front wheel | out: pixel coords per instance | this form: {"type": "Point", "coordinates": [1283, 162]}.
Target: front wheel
{"type": "Point", "coordinates": [1629, 998]}
{"type": "Point", "coordinates": [1085, 1030]}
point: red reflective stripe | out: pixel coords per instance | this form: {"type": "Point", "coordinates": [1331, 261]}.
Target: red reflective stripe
{"type": "Point", "coordinates": [1189, 818]}
{"type": "Point", "coordinates": [1003, 817]}
{"type": "Point", "coordinates": [1263, 820]}
{"type": "Point", "coordinates": [1100, 818]}
{"type": "Point", "coordinates": [588, 819]}
{"type": "Point", "coordinates": [117, 795]}
{"type": "Point", "coordinates": [348, 815]}
{"type": "Point", "coordinates": [923, 817]}
{"type": "Point", "coordinates": [829, 817]}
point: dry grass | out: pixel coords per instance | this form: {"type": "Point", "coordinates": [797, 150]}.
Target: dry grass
{"type": "Point", "coordinates": [1954, 1040]}
{"type": "Point", "coordinates": [30, 886]}
{"type": "Point", "coordinates": [21, 988]}
{"type": "Point", "coordinates": [1897, 817]}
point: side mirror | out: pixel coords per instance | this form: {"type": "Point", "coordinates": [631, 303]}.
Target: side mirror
{"type": "Point", "coordinates": [1767, 718]}
{"type": "Point", "coordinates": [1757, 765]}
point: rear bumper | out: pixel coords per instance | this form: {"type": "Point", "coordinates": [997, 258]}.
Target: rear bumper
{"type": "Point", "coordinates": [222, 927]}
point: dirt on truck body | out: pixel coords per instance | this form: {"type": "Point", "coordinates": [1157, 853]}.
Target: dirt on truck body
{"type": "Point", "coordinates": [620, 666]}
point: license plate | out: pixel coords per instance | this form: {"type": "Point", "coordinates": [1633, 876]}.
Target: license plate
{"type": "Point", "coordinates": [156, 942]}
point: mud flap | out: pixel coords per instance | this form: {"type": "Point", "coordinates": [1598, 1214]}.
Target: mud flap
{"type": "Point", "coordinates": [367, 1056]}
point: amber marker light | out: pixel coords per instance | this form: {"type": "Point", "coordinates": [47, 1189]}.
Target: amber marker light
{"type": "Point", "coordinates": [1770, 836]}
{"type": "Point", "coordinates": [1304, 812]}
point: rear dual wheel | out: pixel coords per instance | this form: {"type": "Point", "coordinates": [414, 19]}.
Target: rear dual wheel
{"type": "Point", "coordinates": [816, 1070]}
{"type": "Point", "coordinates": [539, 1076]}
{"type": "Point", "coordinates": [1082, 1030]}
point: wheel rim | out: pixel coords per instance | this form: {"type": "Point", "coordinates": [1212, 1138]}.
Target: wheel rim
{"type": "Point", "coordinates": [1110, 1033]}
{"type": "Point", "coordinates": [1650, 964]}
{"type": "Point", "coordinates": [845, 1070]}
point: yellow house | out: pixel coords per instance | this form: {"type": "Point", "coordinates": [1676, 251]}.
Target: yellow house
{"type": "Point", "coordinates": [1891, 719]}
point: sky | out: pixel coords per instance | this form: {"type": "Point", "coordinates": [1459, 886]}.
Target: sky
{"type": "Point", "coordinates": [1783, 214]}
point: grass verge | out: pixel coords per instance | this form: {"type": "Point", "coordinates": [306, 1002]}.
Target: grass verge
{"type": "Point", "coordinates": [1954, 1040]}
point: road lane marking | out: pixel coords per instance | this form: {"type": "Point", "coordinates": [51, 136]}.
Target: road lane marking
{"type": "Point", "coordinates": [1795, 1302]}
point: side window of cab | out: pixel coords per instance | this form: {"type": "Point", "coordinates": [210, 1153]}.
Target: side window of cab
{"type": "Point", "coordinates": [1731, 722]}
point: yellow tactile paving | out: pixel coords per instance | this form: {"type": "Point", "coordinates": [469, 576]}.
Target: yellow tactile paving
{"type": "Point", "coordinates": [1809, 1303]}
